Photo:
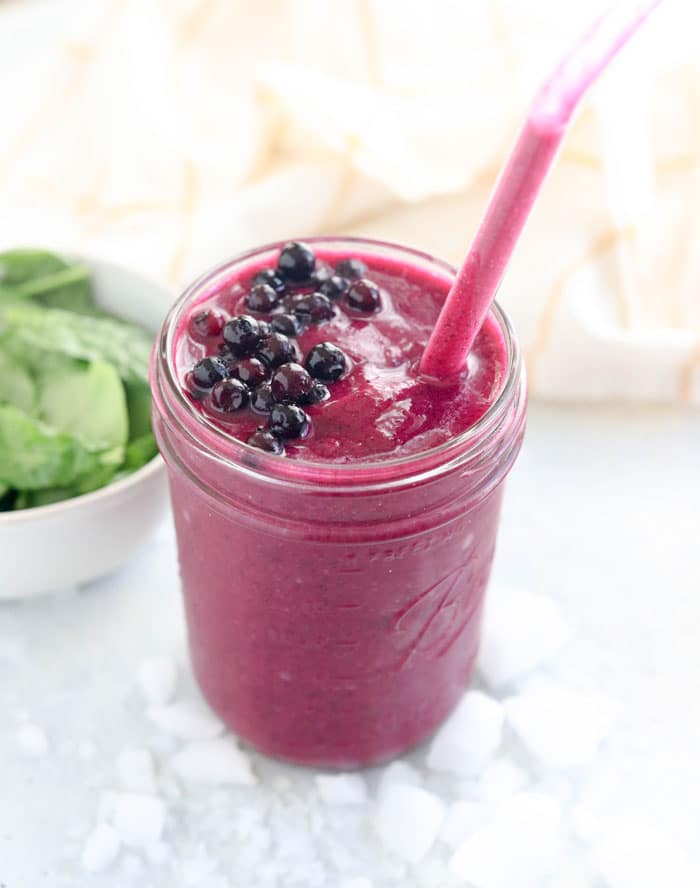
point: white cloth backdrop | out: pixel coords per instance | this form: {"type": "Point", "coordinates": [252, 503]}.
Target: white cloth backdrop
{"type": "Point", "coordinates": [167, 134]}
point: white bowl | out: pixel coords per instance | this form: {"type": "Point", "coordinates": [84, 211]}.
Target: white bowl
{"type": "Point", "coordinates": [51, 548]}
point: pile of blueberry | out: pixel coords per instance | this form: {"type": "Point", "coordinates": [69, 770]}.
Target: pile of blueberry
{"type": "Point", "coordinates": [259, 366]}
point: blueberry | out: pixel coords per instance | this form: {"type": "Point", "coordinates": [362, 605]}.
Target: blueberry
{"type": "Point", "coordinates": [262, 298]}
{"type": "Point", "coordinates": [351, 268]}
{"type": "Point", "coordinates": [290, 382]}
{"type": "Point", "coordinates": [288, 421]}
{"type": "Point", "coordinates": [206, 324]}
{"type": "Point", "coordinates": [363, 295]}
{"type": "Point", "coordinates": [262, 400]}
{"type": "Point", "coordinates": [296, 262]}
{"type": "Point", "coordinates": [321, 273]}
{"type": "Point", "coordinates": [291, 300]}
{"type": "Point", "coordinates": [229, 395]}
{"type": "Point", "coordinates": [270, 277]}
{"type": "Point", "coordinates": [195, 391]}
{"type": "Point", "coordinates": [288, 324]}
{"type": "Point", "coordinates": [266, 441]}
{"type": "Point", "coordinates": [326, 362]}
{"type": "Point", "coordinates": [314, 308]}
{"type": "Point", "coordinates": [264, 328]}
{"type": "Point", "coordinates": [242, 335]}
{"type": "Point", "coordinates": [317, 393]}
{"type": "Point", "coordinates": [208, 372]}
{"type": "Point", "coordinates": [226, 355]}
{"type": "Point", "coordinates": [335, 287]}
{"type": "Point", "coordinates": [250, 371]}
{"type": "Point", "coordinates": [276, 349]}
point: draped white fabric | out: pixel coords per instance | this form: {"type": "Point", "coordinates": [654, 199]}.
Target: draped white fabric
{"type": "Point", "coordinates": [167, 134]}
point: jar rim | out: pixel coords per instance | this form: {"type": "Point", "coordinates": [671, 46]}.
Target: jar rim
{"type": "Point", "coordinates": [384, 472]}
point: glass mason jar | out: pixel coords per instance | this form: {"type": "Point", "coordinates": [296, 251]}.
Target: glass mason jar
{"type": "Point", "coordinates": [333, 611]}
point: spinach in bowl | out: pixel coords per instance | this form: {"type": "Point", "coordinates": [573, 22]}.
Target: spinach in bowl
{"type": "Point", "coordinates": [74, 398]}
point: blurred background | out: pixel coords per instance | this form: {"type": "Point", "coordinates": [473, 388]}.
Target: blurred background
{"type": "Point", "coordinates": [168, 134]}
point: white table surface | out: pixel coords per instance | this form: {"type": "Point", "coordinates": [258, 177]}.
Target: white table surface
{"type": "Point", "coordinates": [602, 514]}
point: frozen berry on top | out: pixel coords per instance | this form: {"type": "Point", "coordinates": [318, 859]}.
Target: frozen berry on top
{"type": "Point", "coordinates": [266, 441]}
{"type": "Point", "coordinates": [262, 400]}
{"type": "Point", "coordinates": [291, 300]}
{"type": "Point", "coordinates": [250, 371]}
{"type": "Point", "coordinates": [364, 296]}
{"type": "Point", "coordinates": [314, 308]}
{"type": "Point", "coordinates": [199, 394]}
{"type": "Point", "coordinates": [206, 324]}
{"type": "Point", "coordinates": [321, 273]}
{"type": "Point", "coordinates": [270, 277]}
{"type": "Point", "coordinates": [335, 287]}
{"type": "Point", "coordinates": [276, 349]}
{"type": "Point", "coordinates": [290, 382]}
{"type": "Point", "coordinates": [242, 335]}
{"type": "Point", "coordinates": [351, 268]}
{"type": "Point", "coordinates": [229, 395]}
{"type": "Point", "coordinates": [326, 362]}
{"type": "Point", "coordinates": [296, 262]}
{"type": "Point", "coordinates": [262, 298]}
{"type": "Point", "coordinates": [288, 421]}
{"type": "Point", "coordinates": [317, 393]}
{"type": "Point", "coordinates": [288, 324]}
{"type": "Point", "coordinates": [226, 355]}
{"type": "Point", "coordinates": [208, 372]}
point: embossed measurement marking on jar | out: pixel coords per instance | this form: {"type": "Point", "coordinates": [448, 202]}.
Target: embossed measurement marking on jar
{"type": "Point", "coordinates": [441, 613]}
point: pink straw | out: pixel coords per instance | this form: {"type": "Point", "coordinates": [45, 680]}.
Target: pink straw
{"type": "Point", "coordinates": [473, 291]}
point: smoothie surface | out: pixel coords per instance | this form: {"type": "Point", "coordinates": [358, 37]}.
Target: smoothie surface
{"type": "Point", "coordinates": [380, 408]}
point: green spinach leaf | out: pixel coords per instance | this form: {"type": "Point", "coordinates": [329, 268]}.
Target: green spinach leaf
{"type": "Point", "coordinates": [7, 498]}
{"type": "Point", "coordinates": [29, 499]}
{"type": "Point", "coordinates": [20, 266]}
{"type": "Point", "coordinates": [11, 295]}
{"type": "Point", "coordinates": [22, 499]}
{"type": "Point", "coordinates": [77, 417]}
{"type": "Point", "coordinates": [68, 289]}
{"type": "Point", "coordinates": [138, 402]}
{"type": "Point", "coordinates": [140, 451]}
{"type": "Point", "coordinates": [33, 455]}
{"type": "Point", "coordinates": [16, 385]}
{"type": "Point", "coordinates": [46, 279]}
{"type": "Point", "coordinates": [124, 345]}
{"type": "Point", "coordinates": [84, 400]}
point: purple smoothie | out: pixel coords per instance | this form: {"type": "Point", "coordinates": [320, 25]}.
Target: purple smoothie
{"type": "Point", "coordinates": [381, 408]}
{"type": "Point", "coordinates": [334, 594]}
